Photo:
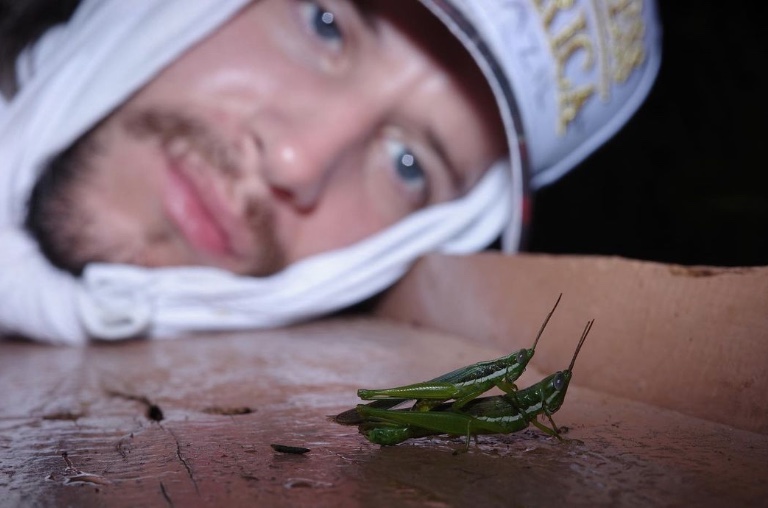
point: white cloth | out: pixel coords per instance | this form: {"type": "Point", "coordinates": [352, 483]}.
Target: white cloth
{"type": "Point", "coordinates": [74, 76]}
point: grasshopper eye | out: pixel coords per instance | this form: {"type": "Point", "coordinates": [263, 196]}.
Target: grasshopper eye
{"type": "Point", "coordinates": [558, 383]}
{"type": "Point", "coordinates": [522, 356]}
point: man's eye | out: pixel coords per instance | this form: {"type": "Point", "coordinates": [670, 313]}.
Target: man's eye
{"type": "Point", "coordinates": [407, 167]}
{"type": "Point", "coordinates": [323, 23]}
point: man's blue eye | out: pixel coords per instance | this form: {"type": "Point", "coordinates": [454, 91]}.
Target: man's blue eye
{"type": "Point", "coordinates": [406, 167]}
{"type": "Point", "coordinates": [324, 23]}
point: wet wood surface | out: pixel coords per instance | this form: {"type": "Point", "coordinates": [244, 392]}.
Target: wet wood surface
{"type": "Point", "coordinates": [190, 422]}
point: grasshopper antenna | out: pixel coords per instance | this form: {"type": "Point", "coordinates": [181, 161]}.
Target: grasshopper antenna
{"type": "Point", "coordinates": [581, 343]}
{"type": "Point", "coordinates": [546, 320]}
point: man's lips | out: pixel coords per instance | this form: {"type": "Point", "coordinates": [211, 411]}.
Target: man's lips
{"type": "Point", "coordinates": [194, 205]}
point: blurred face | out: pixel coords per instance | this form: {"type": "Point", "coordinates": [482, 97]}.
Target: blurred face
{"type": "Point", "coordinates": [296, 128]}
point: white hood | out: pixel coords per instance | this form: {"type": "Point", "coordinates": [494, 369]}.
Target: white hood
{"type": "Point", "coordinates": [75, 76]}
{"type": "Point", "coordinates": [536, 56]}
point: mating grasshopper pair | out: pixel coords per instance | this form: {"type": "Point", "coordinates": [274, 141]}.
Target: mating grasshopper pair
{"type": "Point", "coordinates": [469, 414]}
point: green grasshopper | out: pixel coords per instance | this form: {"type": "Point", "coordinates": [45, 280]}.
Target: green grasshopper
{"type": "Point", "coordinates": [463, 384]}
{"type": "Point", "coordinates": [501, 414]}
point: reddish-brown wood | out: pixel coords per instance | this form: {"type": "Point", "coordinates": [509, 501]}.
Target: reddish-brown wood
{"type": "Point", "coordinates": [665, 393]}
{"type": "Point", "coordinates": [691, 339]}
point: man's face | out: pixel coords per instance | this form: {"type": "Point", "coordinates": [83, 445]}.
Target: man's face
{"type": "Point", "coordinates": [296, 128]}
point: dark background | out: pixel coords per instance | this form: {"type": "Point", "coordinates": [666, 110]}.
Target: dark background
{"type": "Point", "coordinates": [686, 180]}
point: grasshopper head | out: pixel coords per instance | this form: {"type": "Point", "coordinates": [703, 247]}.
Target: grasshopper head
{"type": "Point", "coordinates": [554, 389]}
{"type": "Point", "coordinates": [524, 356]}
{"type": "Point", "coordinates": [516, 363]}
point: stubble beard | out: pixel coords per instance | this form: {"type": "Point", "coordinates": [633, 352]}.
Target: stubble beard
{"type": "Point", "coordinates": [71, 235]}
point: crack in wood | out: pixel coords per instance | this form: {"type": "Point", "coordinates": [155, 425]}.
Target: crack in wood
{"type": "Point", "coordinates": [184, 461]}
{"type": "Point", "coordinates": [154, 412]}
{"type": "Point", "coordinates": [165, 495]}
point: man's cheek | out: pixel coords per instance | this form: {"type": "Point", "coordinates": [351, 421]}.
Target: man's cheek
{"type": "Point", "coordinates": [127, 192]}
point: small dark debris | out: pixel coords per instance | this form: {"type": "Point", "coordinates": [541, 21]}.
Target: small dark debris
{"type": "Point", "coordinates": [228, 411]}
{"type": "Point", "coordinates": [706, 271]}
{"type": "Point", "coordinates": [296, 450]}
{"type": "Point", "coordinates": [63, 415]}
{"type": "Point", "coordinates": [154, 413]}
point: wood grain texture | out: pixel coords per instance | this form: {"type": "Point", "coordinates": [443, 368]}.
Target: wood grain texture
{"type": "Point", "coordinates": [208, 450]}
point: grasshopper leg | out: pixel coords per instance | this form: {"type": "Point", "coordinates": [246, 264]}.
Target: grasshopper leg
{"type": "Point", "coordinates": [507, 386]}
{"type": "Point", "coordinates": [460, 402]}
{"type": "Point", "coordinates": [549, 417]}
{"type": "Point", "coordinates": [555, 432]}
{"type": "Point", "coordinates": [466, 443]}
{"type": "Point", "coordinates": [426, 404]}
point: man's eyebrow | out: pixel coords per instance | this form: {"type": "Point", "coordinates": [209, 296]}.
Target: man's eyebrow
{"type": "Point", "coordinates": [454, 177]}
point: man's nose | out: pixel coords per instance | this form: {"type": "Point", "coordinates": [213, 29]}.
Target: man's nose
{"type": "Point", "coordinates": [304, 150]}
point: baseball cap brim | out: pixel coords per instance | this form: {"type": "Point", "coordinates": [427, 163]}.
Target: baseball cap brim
{"type": "Point", "coordinates": [566, 77]}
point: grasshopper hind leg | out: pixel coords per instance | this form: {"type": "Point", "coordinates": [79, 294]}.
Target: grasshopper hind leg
{"type": "Point", "coordinates": [552, 431]}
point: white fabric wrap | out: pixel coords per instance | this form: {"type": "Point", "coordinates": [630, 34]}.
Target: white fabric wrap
{"type": "Point", "coordinates": [74, 76]}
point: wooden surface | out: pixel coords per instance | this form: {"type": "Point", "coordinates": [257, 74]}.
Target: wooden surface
{"type": "Point", "coordinates": [690, 339]}
{"type": "Point", "coordinates": [224, 399]}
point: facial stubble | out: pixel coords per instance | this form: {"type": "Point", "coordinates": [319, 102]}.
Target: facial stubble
{"type": "Point", "coordinates": [72, 234]}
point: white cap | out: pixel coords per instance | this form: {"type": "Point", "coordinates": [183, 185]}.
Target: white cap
{"type": "Point", "coordinates": [567, 75]}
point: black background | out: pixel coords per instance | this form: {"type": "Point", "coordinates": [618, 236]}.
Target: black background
{"type": "Point", "coordinates": [686, 180]}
